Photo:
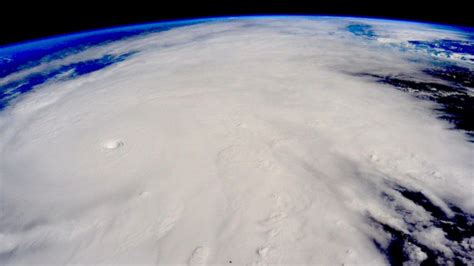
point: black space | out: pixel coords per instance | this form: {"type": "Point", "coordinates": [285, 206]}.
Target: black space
{"type": "Point", "coordinates": [22, 20]}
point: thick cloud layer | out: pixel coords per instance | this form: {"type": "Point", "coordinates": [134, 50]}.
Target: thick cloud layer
{"type": "Point", "coordinates": [249, 141]}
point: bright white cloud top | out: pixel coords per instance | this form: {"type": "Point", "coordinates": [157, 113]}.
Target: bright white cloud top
{"type": "Point", "coordinates": [241, 140]}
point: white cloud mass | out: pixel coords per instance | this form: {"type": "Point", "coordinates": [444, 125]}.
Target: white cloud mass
{"type": "Point", "coordinates": [246, 140]}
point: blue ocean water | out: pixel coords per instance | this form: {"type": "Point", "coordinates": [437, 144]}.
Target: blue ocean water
{"type": "Point", "coordinates": [446, 46]}
{"type": "Point", "coordinates": [455, 102]}
{"type": "Point", "coordinates": [25, 55]}
{"type": "Point", "coordinates": [26, 84]}
{"type": "Point", "coordinates": [453, 91]}
{"type": "Point", "coordinates": [30, 54]}
{"type": "Point", "coordinates": [363, 30]}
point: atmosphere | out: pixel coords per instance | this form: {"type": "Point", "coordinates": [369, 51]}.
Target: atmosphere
{"type": "Point", "coordinates": [47, 18]}
{"type": "Point", "coordinates": [240, 140]}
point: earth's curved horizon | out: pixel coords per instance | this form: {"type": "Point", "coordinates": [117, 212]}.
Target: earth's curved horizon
{"type": "Point", "coordinates": [209, 18]}
{"type": "Point", "coordinates": [248, 140]}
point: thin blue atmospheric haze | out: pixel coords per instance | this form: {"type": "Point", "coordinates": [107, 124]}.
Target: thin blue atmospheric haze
{"type": "Point", "coordinates": [448, 87]}
{"type": "Point", "coordinates": [30, 54]}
